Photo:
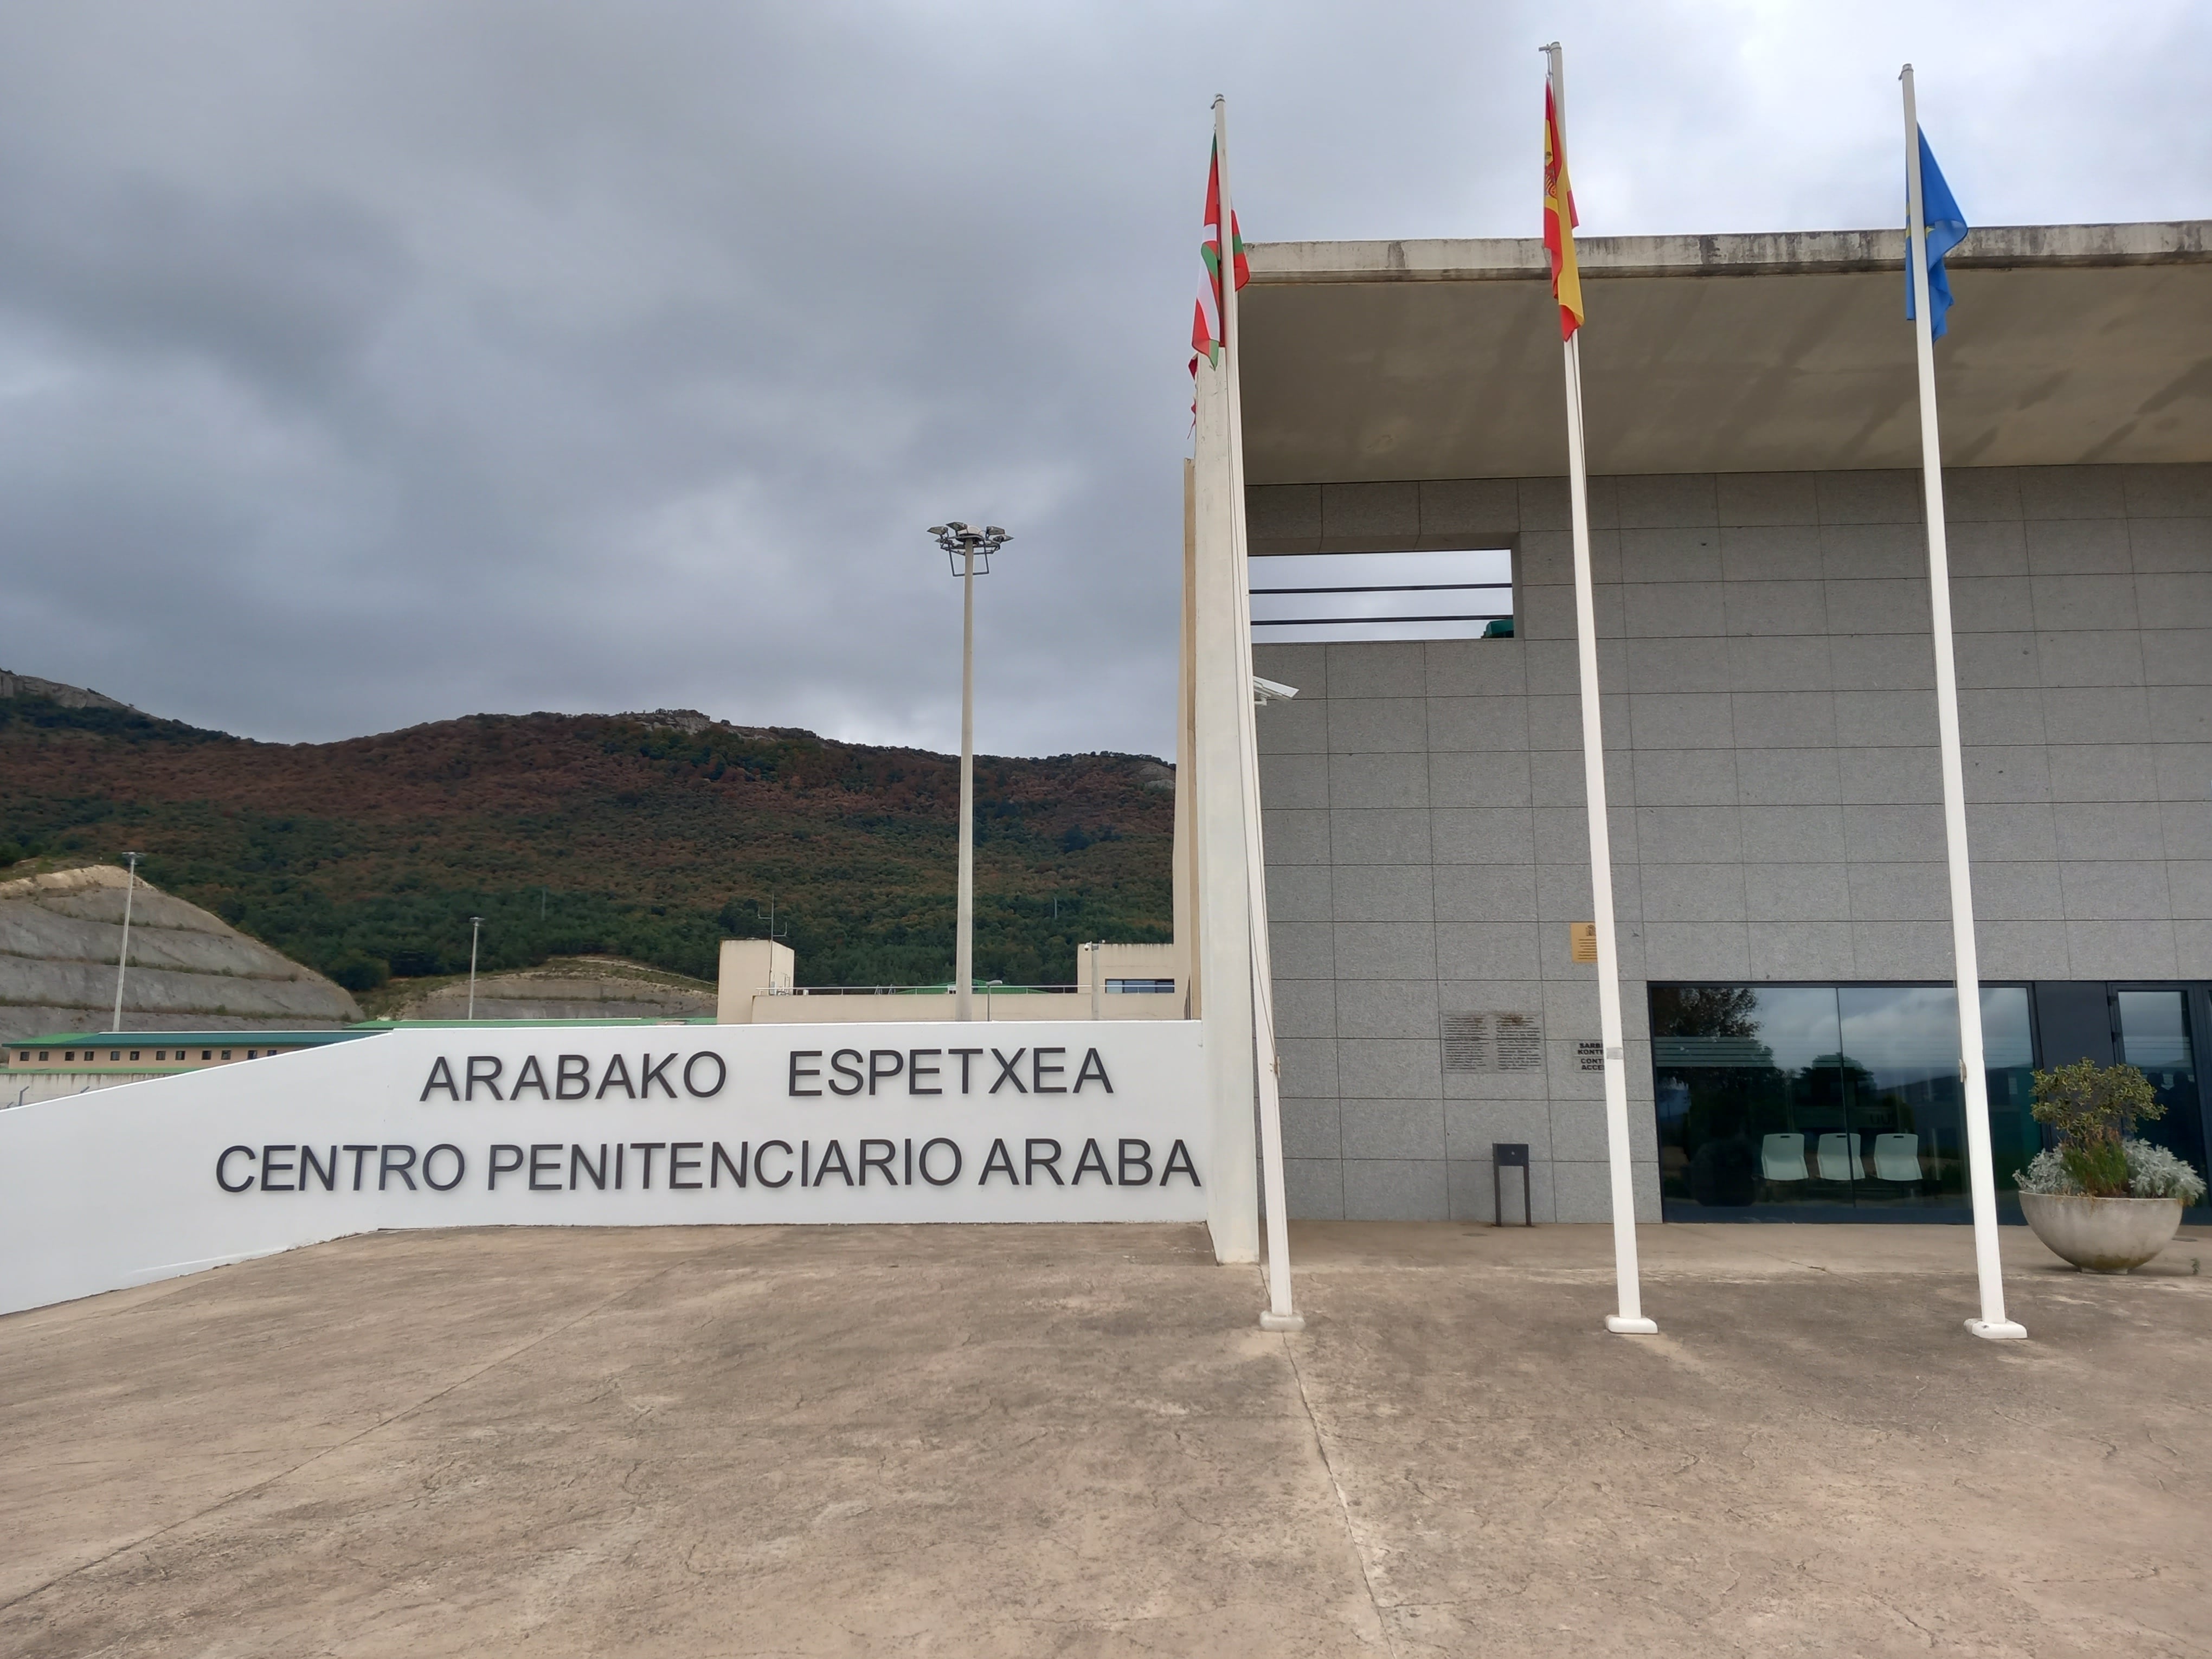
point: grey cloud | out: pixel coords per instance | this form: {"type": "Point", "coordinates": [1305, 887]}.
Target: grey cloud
{"type": "Point", "coordinates": [366, 365]}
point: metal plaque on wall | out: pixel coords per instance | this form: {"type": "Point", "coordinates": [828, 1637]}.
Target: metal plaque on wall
{"type": "Point", "coordinates": [1493, 1040]}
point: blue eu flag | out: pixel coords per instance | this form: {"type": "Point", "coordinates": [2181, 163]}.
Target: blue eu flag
{"type": "Point", "coordinates": [1947, 228]}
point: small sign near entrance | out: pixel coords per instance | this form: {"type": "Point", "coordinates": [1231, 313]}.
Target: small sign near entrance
{"type": "Point", "coordinates": [1590, 1056]}
{"type": "Point", "coordinates": [1582, 941]}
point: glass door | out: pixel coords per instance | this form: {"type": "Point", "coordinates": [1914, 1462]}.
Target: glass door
{"type": "Point", "coordinates": [2154, 1038]}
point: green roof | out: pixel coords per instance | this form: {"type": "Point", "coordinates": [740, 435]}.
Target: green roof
{"type": "Point", "coordinates": [174, 1039]}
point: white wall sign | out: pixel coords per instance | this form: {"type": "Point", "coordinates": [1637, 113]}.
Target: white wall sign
{"type": "Point", "coordinates": [624, 1126]}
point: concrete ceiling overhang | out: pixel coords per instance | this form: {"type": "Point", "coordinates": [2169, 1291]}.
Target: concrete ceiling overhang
{"type": "Point", "coordinates": [2069, 345]}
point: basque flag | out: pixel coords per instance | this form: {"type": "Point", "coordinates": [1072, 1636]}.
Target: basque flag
{"type": "Point", "coordinates": [1945, 228]}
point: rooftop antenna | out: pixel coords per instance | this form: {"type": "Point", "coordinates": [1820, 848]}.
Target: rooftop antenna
{"type": "Point", "coordinates": [770, 919]}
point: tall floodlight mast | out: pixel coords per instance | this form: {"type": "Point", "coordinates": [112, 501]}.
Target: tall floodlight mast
{"type": "Point", "coordinates": [123, 956]}
{"type": "Point", "coordinates": [965, 545]}
{"type": "Point", "coordinates": [475, 932]}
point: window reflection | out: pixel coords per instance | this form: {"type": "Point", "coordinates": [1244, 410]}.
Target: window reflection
{"type": "Point", "coordinates": [1836, 1099]}
{"type": "Point", "coordinates": [2154, 1039]}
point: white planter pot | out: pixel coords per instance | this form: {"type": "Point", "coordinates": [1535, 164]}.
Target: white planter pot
{"type": "Point", "coordinates": [2102, 1235]}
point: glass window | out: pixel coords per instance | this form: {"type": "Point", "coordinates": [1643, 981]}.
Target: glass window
{"type": "Point", "coordinates": [1305, 597]}
{"type": "Point", "coordinates": [1837, 1102]}
{"type": "Point", "coordinates": [1903, 1139]}
{"type": "Point", "coordinates": [2008, 1054]}
{"type": "Point", "coordinates": [1738, 1084]}
{"type": "Point", "coordinates": [2154, 1038]}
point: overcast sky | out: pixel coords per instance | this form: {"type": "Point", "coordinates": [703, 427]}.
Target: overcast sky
{"type": "Point", "coordinates": [367, 364]}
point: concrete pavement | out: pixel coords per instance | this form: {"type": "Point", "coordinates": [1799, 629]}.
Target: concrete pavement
{"type": "Point", "coordinates": [1076, 1441]}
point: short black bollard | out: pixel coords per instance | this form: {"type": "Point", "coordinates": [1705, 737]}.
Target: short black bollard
{"type": "Point", "coordinates": [1511, 1155]}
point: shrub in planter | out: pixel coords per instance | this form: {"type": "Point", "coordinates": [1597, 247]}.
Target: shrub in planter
{"type": "Point", "coordinates": [2101, 1199]}
{"type": "Point", "coordinates": [2153, 1172]}
{"type": "Point", "coordinates": [2093, 1107]}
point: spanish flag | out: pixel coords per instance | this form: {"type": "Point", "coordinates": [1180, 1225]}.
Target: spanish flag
{"type": "Point", "coordinates": [1559, 223]}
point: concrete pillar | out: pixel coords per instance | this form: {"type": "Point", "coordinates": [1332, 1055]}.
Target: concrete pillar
{"type": "Point", "coordinates": [1223, 959]}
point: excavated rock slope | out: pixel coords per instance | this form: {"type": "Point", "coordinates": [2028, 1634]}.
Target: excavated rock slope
{"type": "Point", "coordinates": [59, 933]}
{"type": "Point", "coordinates": [567, 987]}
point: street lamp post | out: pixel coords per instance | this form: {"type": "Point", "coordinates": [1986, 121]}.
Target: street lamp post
{"type": "Point", "coordinates": [962, 544]}
{"type": "Point", "coordinates": [123, 956]}
{"type": "Point", "coordinates": [476, 931]}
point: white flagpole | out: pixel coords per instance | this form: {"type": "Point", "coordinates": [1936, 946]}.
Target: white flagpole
{"type": "Point", "coordinates": [1630, 1321]}
{"type": "Point", "coordinates": [1280, 1315]}
{"type": "Point", "coordinates": [1966, 966]}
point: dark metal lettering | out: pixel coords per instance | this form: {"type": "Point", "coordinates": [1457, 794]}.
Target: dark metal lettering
{"type": "Point", "coordinates": [386, 1168]}
{"type": "Point", "coordinates": [921, 1161]}
{"type": "Point", "coordinates": [578, 1164]}
{"type": "Point", "coordinates": [1092, 1158]}
{"type": "Point", "coordinates": [1141, 1160]}
{"type": "Point", "coordinates": [1032, 1161]}
{"type": "Point", "coordinates": [721, 1075]}
{"type": "Point", "coordinates": [760, 1173]}
{"type": "Point", "coordinates": [310, 1164]}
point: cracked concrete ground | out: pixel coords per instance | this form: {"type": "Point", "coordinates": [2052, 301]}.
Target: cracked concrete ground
{"type": "Point", "coordinates": [1076, 1441]}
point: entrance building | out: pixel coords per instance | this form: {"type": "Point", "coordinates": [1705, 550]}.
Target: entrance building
{"type": "Point", "coordinates": [1770, 717]}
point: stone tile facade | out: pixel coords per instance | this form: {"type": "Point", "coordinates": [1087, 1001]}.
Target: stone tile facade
{"type": "Point", "coordinates": [1770, 726]}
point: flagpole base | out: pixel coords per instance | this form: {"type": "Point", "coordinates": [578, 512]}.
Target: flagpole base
{"type": "Point", "coordinates": [1997, 1330]}
{"type": "Point", "coordinates": [1272, 1320]}
{"type": "Point", "coordinates": [1620, 1326]}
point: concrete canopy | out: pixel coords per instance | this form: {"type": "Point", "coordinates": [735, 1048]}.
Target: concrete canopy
{"type": "Point", "coordinates": [1389, 360]}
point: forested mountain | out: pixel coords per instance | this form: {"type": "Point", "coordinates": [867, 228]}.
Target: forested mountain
{"type": "Point", "coordinates": [649, 835]}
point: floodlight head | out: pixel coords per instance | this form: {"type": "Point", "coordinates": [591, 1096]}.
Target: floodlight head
{"type": "Point", "coordinates": [962, 541]}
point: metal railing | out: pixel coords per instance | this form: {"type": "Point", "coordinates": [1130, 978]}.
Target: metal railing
{"type": "Point", "coordinates": [941, 988]}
